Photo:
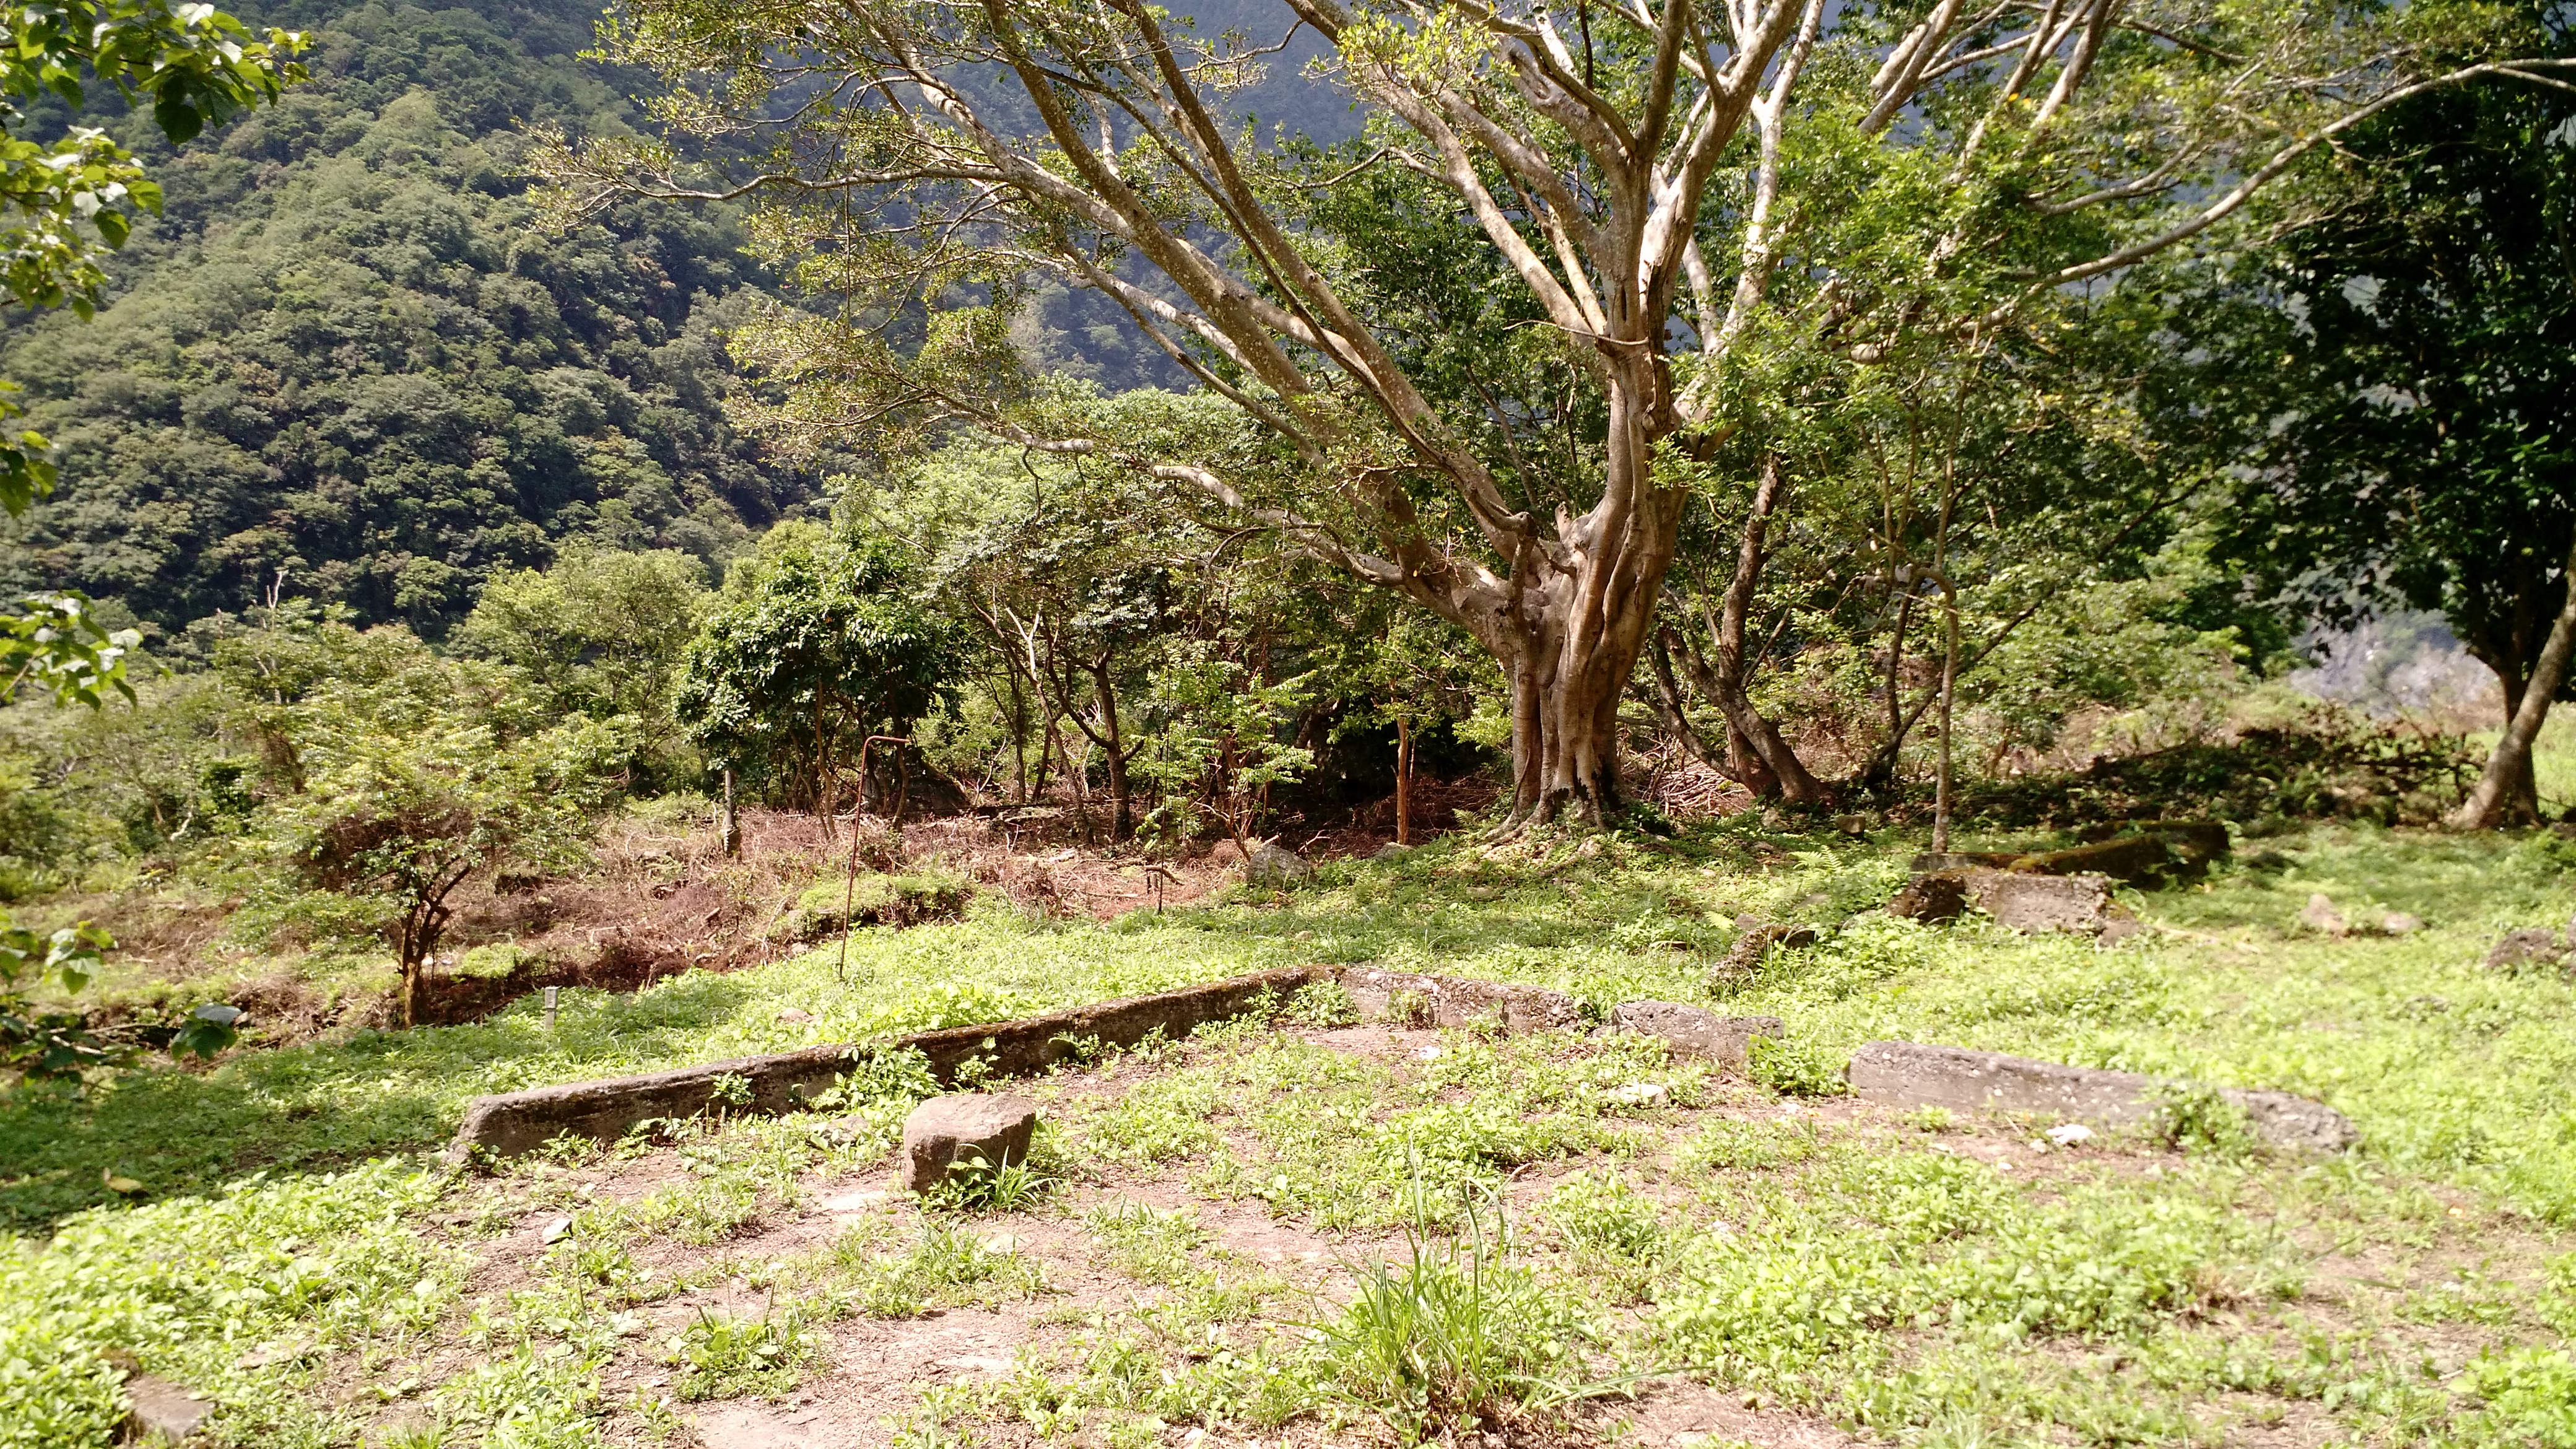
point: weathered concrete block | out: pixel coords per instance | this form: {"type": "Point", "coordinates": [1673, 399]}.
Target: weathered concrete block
{"type": "Point", "coordinates": [2079, 903]}
{"type": "Point", "coordinates": [1726, 1040]}
{"type": "Point", "coordinates": [944, 1129]}
{"type": "Point", "coordinates": [516, 1122]}
{"type": "Point", "coordinates": [1449, 1001]}
{"type": "Point", "coordinates": [163, 1412]}
{"type": "Point", "coordinates": [1914, 1074]}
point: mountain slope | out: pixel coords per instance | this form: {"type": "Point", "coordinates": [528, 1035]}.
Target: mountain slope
{"type": "Point", "coordinates": [344, 353]}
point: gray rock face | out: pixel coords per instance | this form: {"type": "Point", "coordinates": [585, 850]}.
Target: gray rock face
{"type": "Point", "coordinates": [1914, 1074]}
{"type": "Point", "coordinates": [1448, 1001]}
{"type": "Point", "coordinates": [1273, 865]}
{"type": "Point", "coordinates": [1726, 1040]}
{"type": "Point", "coordinates": [163, 1412]}
{"type": "Point", "coordinates": [944, 1129]}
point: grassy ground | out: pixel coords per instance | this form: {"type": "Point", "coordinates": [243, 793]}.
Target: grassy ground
{"type": "Point", "coordinates": [1834, 1266]}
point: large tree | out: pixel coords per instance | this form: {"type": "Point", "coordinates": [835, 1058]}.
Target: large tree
{"type": "Point", "coordinates": [1694, 204]}
{"type": "Point", "coordinates": [2404, 373]}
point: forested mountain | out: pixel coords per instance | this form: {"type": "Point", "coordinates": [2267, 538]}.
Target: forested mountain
{"type": "Point", "coordinates": [344, 351]}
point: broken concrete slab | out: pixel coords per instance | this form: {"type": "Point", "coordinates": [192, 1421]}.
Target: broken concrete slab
{"type": "Point", "coordinates": [1449, 1001]}
{"type": "Point", "coordinates": [603, 1111]}
{"type": "Point", "coordinates": [2024, 902]}
{"type": "Point", "coordinates": [1917, 1074]}
{"type": "Point", "coordinates": [163, 1412]}
{"type": "Point", "coordinates": [2040, 903]}
{"type": "Point", "coordinates": [968, 1126]}
{"type": "Point", "coordinates": [1694, 1031]}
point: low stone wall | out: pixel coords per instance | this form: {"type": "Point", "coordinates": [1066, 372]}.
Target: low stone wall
{"type": "Point", "coordinates": [1694, 1031]}
{"type": "Point", "coordinates": [1449, 1001]}
{"type": "Point", "coordinates": [517, 1122]}
{"type": "Point", "coordinates": [1906, 1073]}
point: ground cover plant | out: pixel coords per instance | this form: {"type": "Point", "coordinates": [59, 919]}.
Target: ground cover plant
{"type": "Point", "coordinates": [1306, 1230]}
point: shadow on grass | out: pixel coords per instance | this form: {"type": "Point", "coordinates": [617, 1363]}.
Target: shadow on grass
{"type": "Point", "coordinates": [316, 1106]}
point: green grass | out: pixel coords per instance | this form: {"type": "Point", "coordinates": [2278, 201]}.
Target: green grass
{"type": "Point", "coordinates": [286, 1231]}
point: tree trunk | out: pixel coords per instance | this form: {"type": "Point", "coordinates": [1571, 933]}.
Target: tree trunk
{"type": "Point", "coordinates": [2508, 792]}
{"type": "Point", "coordinates": [1737, 762]}
{"type": "Point", "coordinates": [1112, 748]}
{"type": "Point", "coordinates": [1403, 781]}
{"type": "Point", "coordinates": [1726, 681]}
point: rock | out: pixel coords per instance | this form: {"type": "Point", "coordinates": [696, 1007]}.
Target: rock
{"type": "Point", "coordinates": [1273, 865]}
{"type": "Point", "coordinates": [1939, 895]}
{"type": "Point", "coordinates": [944, 1129]}
{"type": "Point", "coordinates": [794, 1017]}
{"type": "Point", "coordinates": [2520, 949]}
{"type": "Point", "coordinates": [1745, 956]}
{"type": "Point", "coordinates": [1912, 1074]}
{"type": "Point", "coordinates": [2070, 1134]}
{"type": "Point", "coordinates": [163, 1412]}
{"type": "Point", "coordinates": [2321, 916]}
{"type": "Point", "coordinates": [556, 1231]}
{"type": "Point", "coordinates": [1447, 1001]}
{"type": "Point", "coordinates": [1854, 826]}
{"type": "Point", "coordinates": [1638, 1094]}
{"type": "Point", "coordinates": [1693, 1031]}
{"type": "Point", "coordinates": [2398, 923]}
{"type": "Point", "coordinates": [2077, 903]}
{"type": "Point", "coordinates": [1392, 851]}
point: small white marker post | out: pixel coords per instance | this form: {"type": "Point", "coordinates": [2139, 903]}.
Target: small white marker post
{"type": "Point", "coordinates": [550, 1008]}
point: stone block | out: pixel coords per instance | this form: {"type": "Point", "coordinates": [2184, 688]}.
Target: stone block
{"type": "Point", "coordinates": [944, 1129]}
{"type": "Point", "coordinates": [2520, 950]}
{"type": "Point", "coordinates": [1938, 895]}
{"type": "Point", "coordinates": [1448, 1001]}
{"type": "Point", "coordinates": [1745, 956]}
{"type": "Point", "coordinates": [2320, 916]}
{"type": "Point", "coordinates": [163, 1412]}
{"type": "Point", "coordinates": [2078, 903]}
{"type": "Point", "coordinates": [1693, 1031]}
{"type": "Point", "coordinates": [1914, 1074]}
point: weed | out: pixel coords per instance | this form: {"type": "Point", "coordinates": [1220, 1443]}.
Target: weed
{"type": "Point", "coordinates": [1730, 1144]}
{"type": "Point", "coordinates": [1453, 1339]}
{"type": "Point", "coordinates": [723, 1356]}
{"type": "Point", "coordinates": [1321, 1004]}
{"type": "Point", "coordinates": [1796, 1068]}
{"type": "Point", "coordinates": [2192, 1118]}
{"type": "Point", "coordinates": [976, 1185]}
{"type": "Point", "coordinates": [1147, 1243]}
